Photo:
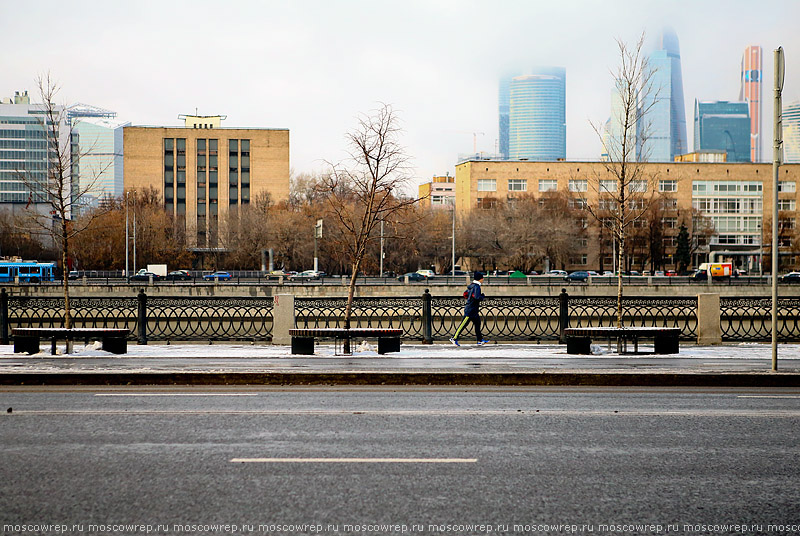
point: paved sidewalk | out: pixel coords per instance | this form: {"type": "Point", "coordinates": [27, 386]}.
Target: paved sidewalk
{"type": "Point", "coordinates": [501, 364]}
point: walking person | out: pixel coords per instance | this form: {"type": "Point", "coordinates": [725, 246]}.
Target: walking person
{"type": "Point", "coordinates": [472, 310]}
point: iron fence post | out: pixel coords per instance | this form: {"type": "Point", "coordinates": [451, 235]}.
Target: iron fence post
{"type": "Point", "coordinates": [3, 316]}
{"type": "Point", "coordinates": [427, 328]}
{"type": "Point", "coordinates": [563, 317]}
{"type": "Point", "coordinates": [142, 317]}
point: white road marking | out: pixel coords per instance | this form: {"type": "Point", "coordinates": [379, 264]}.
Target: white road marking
{"type": "Point", "coordinates": [176, 394]}
{"type": "Point", "coordinates": [418, 413]}
{"type": "Point", "coordinates": [354, 460]}
{"type": "Point", "coordinates": [768, 396]}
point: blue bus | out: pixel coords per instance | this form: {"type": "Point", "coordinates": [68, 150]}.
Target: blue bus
{"type": "Point", "coordinates": [26, 271]}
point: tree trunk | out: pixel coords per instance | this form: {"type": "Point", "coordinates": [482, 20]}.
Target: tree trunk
{"type": "Point", "coordinates": [620, 257]}
{"type": "Point", "coordinates": [64, 257]}
{"type": "Point", "coordinates": [348, 310]}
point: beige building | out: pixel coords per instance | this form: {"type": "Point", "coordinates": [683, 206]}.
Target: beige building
{"type": "Point", "coordinates": [735, 197]}
{"type": "Point", "coordinates": [440, 192]}
{"type": "Point", "coordinates": [206, 173]}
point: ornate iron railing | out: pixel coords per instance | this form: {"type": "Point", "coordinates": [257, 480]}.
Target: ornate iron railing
{"type": "Point", "coordinates": [503, 319]}
{"type": "Point", "coordinates": [636, 312]}
{"type": "Point", "coordinates": [750, 319]}
{"type": "Point", "coordinates": [166, 319]}
{"type": "Point", "coordinates": [400, 313]}
{"type": "Point", "coordinates": [25, 312]}
{"type": "Point", "coordinates": [209, 319]}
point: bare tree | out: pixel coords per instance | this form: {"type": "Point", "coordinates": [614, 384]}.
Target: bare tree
{"type": "Point", "coordinates": [364, 189]}
{"type": "Point", "coordinates": [59, 191]}
{"type": "Point", "coordinates": [626, 194]}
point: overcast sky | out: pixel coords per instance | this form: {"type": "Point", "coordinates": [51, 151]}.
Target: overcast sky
{"type": "Point", "coordinates": [313, 66]}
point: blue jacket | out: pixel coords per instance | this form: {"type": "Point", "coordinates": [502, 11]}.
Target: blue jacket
{"type": "Point", "coordinates": [474, 297]}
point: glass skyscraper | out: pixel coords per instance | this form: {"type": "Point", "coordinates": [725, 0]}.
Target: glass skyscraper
{"type": "Point", "coordinates": [665, 124]}
{"type": "Point", "coordinates": [537, 127]}
{"type": "Point", "coordinates": [24, 158]}
{"type": "Point", "coordinates": [503, 101]}
{"type": "Point", "coordinates": [750, 93]}
{"type": "Point", "coordinates": [723, 126]}
{"type": "Point", "coordinates": [101, 157]}
{"type": "Point", "coordinates": [791, 133]}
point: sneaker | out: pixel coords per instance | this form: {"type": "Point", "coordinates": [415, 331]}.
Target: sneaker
{"type": "Point", "coordinates": [455, 342]}
{"type": "Point", "coordinates": [484, 341]}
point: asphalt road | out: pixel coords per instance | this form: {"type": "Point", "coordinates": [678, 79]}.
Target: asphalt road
{"type": "Point", "coordinates": [385, 461]}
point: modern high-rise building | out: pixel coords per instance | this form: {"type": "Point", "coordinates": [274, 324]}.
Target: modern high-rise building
{"type": "Point", "coordinates": [503, 101]}
{"type": "Point", "coordinates": [619, 144]}
{"type": "Point", "coordinates": [750, 92]}
{"type": "Point", "coordinates": [723, 126]}
{"type": "Point", "coordinates": [24, 161]}
{"type": "Point", "coordinates": [100, 157]}
{"type": "Point", "coordinates": [664, 127]}
{"type": "Point", "coordinates": [791, 133]}
{"type": "Point", "coordinates": [537, 126]}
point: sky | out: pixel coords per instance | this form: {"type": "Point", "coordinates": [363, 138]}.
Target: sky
{"type": "Point", "coordinates": [313, 66]}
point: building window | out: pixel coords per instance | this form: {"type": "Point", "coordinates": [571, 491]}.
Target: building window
{"type": "Point", "coordinates": [578, 185]}
{"type": "Point", "coordinates": [517, 185]}
{"type": "Point", "coordinates": [548, 185]}
{"type": "Point", "coordinates": [788, 187]}
{"type": "Point", "coordinates": [608, 186]}
{"type": "Point", "coordinates": [637, 186]}
{"type": "Point", "coordinates": [667, 186]}
{"type": "Point", "coordinates": [578, 203]}
{"type": "Point", "coordinates": [786, 204]}
{"type": "Point", "coordinates": [487, 185]}
{"type": "Point", "coordinates": [786, 223]}
{"type": "Point", "coordinates": [669, 223]}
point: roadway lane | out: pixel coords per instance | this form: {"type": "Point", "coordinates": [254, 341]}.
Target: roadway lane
{"type": "Point", "coordinates": [520, 458]}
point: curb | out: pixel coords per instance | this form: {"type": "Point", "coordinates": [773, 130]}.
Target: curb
{"type": "Point", "coordinates": [759, 379]}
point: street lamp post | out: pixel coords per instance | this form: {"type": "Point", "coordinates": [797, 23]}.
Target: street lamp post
{"type": "Point", "coordinates": [776, 163]}
{"type": "Point", "coordinates": [381, 249]}
{"type": "Point", "coordinates": [453, 237]}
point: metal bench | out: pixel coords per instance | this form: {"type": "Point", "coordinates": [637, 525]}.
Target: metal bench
{"type": "Point", "coordinates": [27, 339]}
{"type": "Point", "coordinates": [303, 339]}
{"type": "Point", "coordinates": [665, 340]}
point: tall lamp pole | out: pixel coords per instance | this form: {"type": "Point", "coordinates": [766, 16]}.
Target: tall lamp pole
{"type": "Point", "coordinates": [127, 273]}
{"type": "Point", "coordinates": [777, 151]}
{"type": "Point", "coordinates": [317, 234]}
{"type": "Point", "coordinates": [381, 248]}
{"type": "Point", "coordinates": [453, 237]}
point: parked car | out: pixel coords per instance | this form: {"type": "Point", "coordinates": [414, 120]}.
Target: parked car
{"type": "Point", "coordinates": [307, 275]}
{"type": "Point", "coordinates": [426, 273]}
{"type": "Point", "coordinates": [670, 273]}
{"type": "Point", "coordinates": [144, 275]}
{"type": "Point", "coordinates": [179, 275]}
{"type": "Point", "coordinates": [580, 275]}
{"type": "Point", "coordinates": [412, 276]}
{"type": "Point", "coordinates": [791, 277]}
{"type": "Point", "coordinates": [217, 276]}
{"type": "Point", "coordinates": [559, 273]}
{"type": "Point", "coordinates": [73, 274]}
{"type": "Point", "coordinates": [659, 273]}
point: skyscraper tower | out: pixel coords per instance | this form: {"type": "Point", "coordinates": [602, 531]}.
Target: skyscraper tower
{"type": "Point", "coordinates": [791, 133]}
{"type": "Point", "coordinates": [503, 101]}
{"type": "Point", "coordinates": [750, 92]}
{"type": "Point", "coordinates": [537, 125]}
{"type": "Point", "coordinates": [665, 125]}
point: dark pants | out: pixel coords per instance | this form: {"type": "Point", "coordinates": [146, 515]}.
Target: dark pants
{"type": "Point", "coordinates": [476, 321]}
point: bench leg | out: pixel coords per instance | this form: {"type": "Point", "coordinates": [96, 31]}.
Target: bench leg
{"type": "Point", "coordinates": [115, 345]}
{"type": "Point", "coordinates": [388, 344]}
{"type": "Point", "coordinates": [579, 345]}
{"type": "Point", "coordinates": [303, 345]}
{"type": "Point", "coordinates": [666, 345]}
{"type": "Point", "coordinates": [27, 345]}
